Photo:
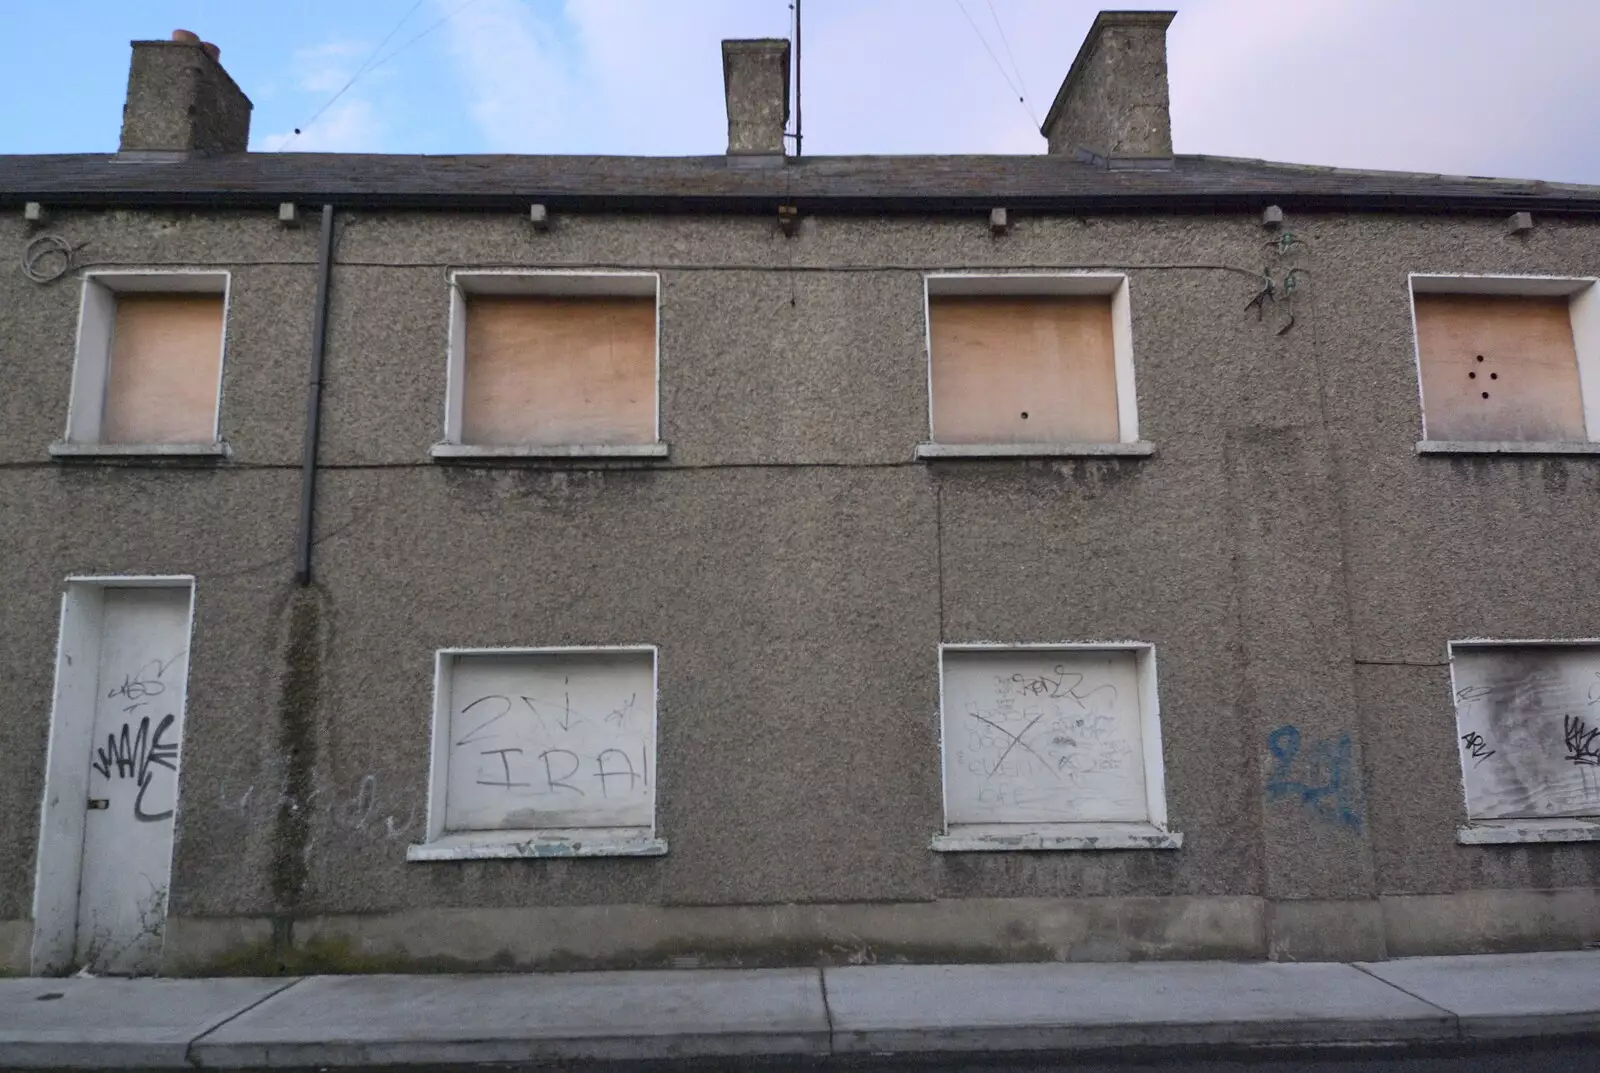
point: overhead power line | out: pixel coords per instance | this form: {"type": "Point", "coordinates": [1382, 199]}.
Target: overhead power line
{"type": "Point", "coordinates": [369, 66]}
{"type": "Point", "coordinates": [1010, 83]}
{"type": "Point", "coordinates": [367, 63]}
{"type": "Point", "coordinates": [1022, 86]}
{"type": "Point", "coordinates": [423, 34]}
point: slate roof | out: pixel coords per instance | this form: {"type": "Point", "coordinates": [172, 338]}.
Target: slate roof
{"type": "Point", "coordinates": [715, 183]}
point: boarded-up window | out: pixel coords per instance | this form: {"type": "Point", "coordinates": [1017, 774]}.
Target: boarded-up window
{"type": "Point", "coordinates": [1498, 367]}
{"type": "Point", "coordinates": [1022, 369]}
{"type": "Point", "coordinates": [1043, 736]}
{"type": "Point", "coordinates": [548, 370]}
{"type": "Point", "coordinates": [163, 370]}
{"type": "Point", "coordinates": [1528, 729]}
{"type": "Point", "coordinates": [550, 741]}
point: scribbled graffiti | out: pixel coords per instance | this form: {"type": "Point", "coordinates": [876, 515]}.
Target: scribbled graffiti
{"type": "Point", "coordinates": [1582, 741]}
{"type": "Point", "coordinates": [1043, 737]}
{"type": "Point", "coordinates": [547, 742]}
{"type": "Point", "coordinates": [135, 754]}
{"type": "Point", "coordinates": [1528, 730]}
{"type": "Point", "coordinates": [1477, 747]}
{"type": "Point", "coordinates": [1321, 776]}
{"type": "Point", "coordinates": [360, 811]}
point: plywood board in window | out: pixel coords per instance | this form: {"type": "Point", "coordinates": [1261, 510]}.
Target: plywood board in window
{"type": "Point", "coordinates": [547, 371]}
{"type": "Point", "coordinates": [1528, 729]}
{"type": "Point", "coordinates": [1498, 367]}
{"type": "Point", "coordinates": [1050, 736]}
{"type": "Point", "coordinates": [166, 358]}
{"type": "Point", "coordinates": [1036, 369]}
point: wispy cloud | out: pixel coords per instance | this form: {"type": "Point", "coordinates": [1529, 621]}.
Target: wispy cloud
{"type": "Point", "coordinates": [1423, 85]}
{"type": "Point", "coordinates": [519, 73]}
{"type": "Point", "coordinates": [351, 124]}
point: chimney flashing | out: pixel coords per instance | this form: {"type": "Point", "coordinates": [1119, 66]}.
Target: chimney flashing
{"type": "Point", "coordinates": [755, 78]}
{"type": "Point", "coordinates": [1120, 100]}
{"type": "Point", "coordinates": [756, 161]}
{"type": "Point", "coordinates": [1140, 163]}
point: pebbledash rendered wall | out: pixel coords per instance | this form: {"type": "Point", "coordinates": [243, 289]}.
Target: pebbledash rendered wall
{"type": "Point", "coordinates": [1291, 557]}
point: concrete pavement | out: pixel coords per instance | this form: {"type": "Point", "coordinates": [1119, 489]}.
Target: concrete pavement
{"type": "Point", "coordinates": [401, 1020]}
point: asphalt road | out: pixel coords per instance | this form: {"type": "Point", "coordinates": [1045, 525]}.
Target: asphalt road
{"type": "Point", "coordinates": [1580, 1055]}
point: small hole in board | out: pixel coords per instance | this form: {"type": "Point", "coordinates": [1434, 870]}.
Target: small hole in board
{"type": "Point", "coordinates": [1480, 357]}
{"type": "Point", "coordinates": [1024, 415]}
{"type": "Point", "coordinates": [1472, 376]}
{"type": "Point", "coordinates": [1494, 376]}
{"type": "Point", "coordinates": [1486, 394]}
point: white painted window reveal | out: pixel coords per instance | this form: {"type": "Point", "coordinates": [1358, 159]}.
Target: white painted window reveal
{"type": "Point", "coordinates": [543, 753]}
{"type": "Point", "coordinates": [503, 283]}
{"type": "Point", "coordinates": [1113, 287]}
{"type": "Point", "coordinates": [198, 404]}
{"type": "Point", "coordinates": [1582, 296]}
{"type": "Point", "coordinates": [1528, 731]}
{"type": "Point", "coordinates": [1052, 747]}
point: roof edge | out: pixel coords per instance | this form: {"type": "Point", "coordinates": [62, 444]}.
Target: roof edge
{"type": "Point", "coordinates": [842, 204]}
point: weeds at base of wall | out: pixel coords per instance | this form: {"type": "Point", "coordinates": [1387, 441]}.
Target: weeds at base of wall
{"type": "Point", "coordinates": [322, 957]}
{"type": "Point", "coordinates": [335, 956]}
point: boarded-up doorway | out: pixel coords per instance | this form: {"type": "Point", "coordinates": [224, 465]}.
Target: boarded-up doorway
{"type": "Point", "coordinates": [105, 854]}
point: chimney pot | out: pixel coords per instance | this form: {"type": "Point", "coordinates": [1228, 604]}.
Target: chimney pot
{"type": "Point", "coordinates": [1114, 99]}
{"type": "Point", "coordinates": [181, 102]}
{"type": "Point", "coordinates": [755, 76]}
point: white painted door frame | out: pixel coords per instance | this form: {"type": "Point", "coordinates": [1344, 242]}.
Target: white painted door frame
{"type": "Point", "coordinates": [64, 809]}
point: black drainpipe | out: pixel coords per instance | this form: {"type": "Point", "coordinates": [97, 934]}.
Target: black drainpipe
{"type": "Point", "coordinates": [308, 465]}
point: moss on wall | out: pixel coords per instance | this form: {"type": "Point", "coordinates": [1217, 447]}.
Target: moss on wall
{"type": "Point", "coordinates": [299, 698]}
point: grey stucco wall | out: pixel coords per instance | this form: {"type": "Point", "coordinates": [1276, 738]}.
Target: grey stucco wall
{"type": "Point", "coordinates": [1443, 548]}
{"type": "Point", "coordinates": [1292, 559]}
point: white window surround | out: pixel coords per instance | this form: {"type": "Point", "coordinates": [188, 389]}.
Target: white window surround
{"type": "Point", "coordinates": [566, 283]}
{"type": "Point", "coordinates": [1520, 831]}
{"type": "Point", "coordinates": [92, 359]}
{"type": "Point", "coordinates": [1153, 833]}
{"type": "Point", "coordinates": [1584, 306]}
{"type": "Point", "coordinates": [523, 844]}
{"type": "Point", "coordinates": [1002, 284]}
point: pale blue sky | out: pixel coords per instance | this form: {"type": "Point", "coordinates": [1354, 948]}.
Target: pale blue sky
{"type": "Point", "coordinates": [1480, 87]}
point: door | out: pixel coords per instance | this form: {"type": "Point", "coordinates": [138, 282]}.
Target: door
{"type": "Point", "coordinates": [133, 779]}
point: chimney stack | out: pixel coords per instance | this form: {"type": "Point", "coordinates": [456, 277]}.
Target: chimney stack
{"type": "Point", "coordinates": [755, 76]}
{"type": "Point", "coordinates": [181, 101]}
{"type": "Point", "coordinates": [1114, 99]}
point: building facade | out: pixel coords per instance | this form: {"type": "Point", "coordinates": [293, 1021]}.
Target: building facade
{"type": "Point", "coordinates": [547, 562]}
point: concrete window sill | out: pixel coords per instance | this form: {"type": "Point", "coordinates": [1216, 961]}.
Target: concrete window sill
{"type": "Point", "coordinates": [1065, 836]}
{"type": "Point", "coordinates": [528, 845]}
{"type": "Point", "coordinates": [1521, 832]}
{"type": "Point", "coordinates": [1507, 447]}
{"type": "Point", "coordinates": [457, 452]}
{"type": "Point", "coordinates": [89, 451]}
{"type": "Point", "coordinates": [934, 451]}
